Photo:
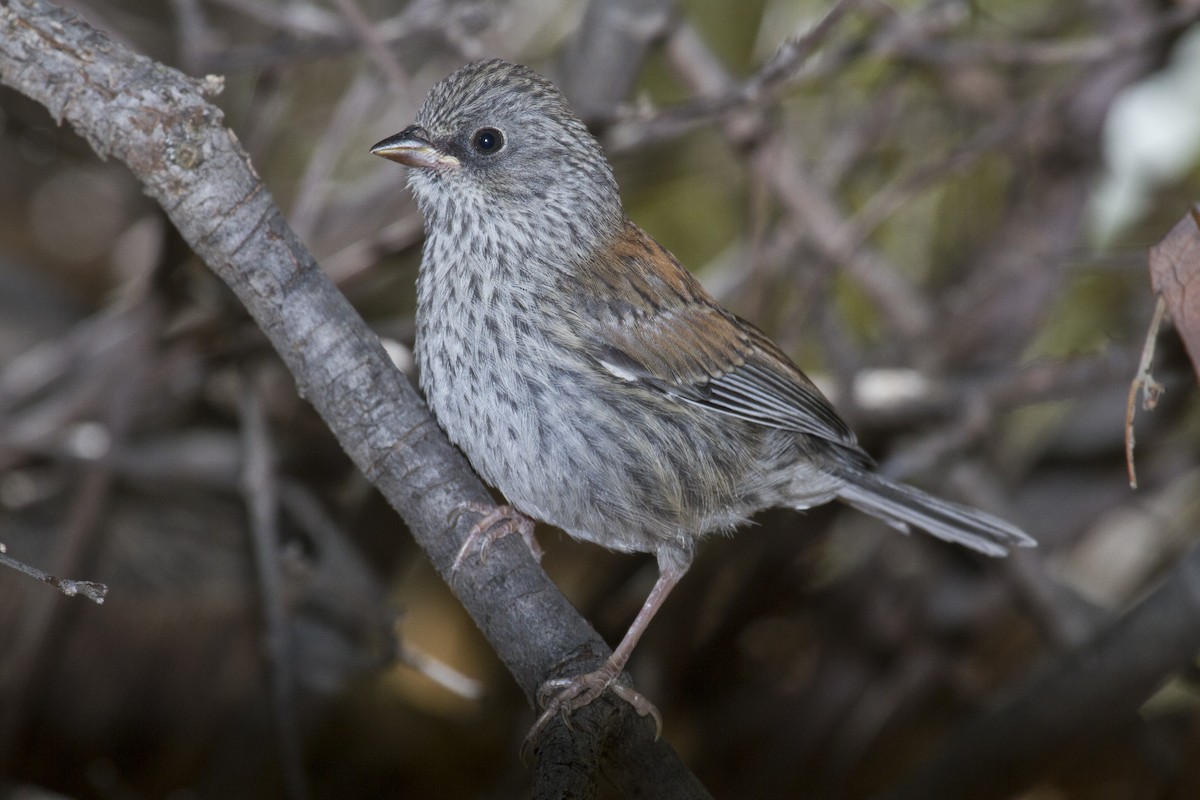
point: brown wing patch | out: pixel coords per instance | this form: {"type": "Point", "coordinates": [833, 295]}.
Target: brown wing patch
{"type": "Point", "coordinates": [648, 320]}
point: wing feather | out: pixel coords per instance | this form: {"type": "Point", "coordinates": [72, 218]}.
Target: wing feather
{"type": "Point", "coordinates": [648, 321]}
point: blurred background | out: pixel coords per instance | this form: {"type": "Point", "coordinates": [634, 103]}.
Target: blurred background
{"type": "Point", "coordinates": [940, 209]}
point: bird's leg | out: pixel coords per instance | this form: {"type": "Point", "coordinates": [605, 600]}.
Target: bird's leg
{"type": "Point", "coordinates": [497, 522]}
{"type": "Point", "coordinates": [564, 695]}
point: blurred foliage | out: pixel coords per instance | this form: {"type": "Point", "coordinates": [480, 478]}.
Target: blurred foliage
{"type": "Point", "coordinates": [953, 147]}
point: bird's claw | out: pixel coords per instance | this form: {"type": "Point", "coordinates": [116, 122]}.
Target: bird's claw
{"type": "Point", "coordinates": [496, 523]}
{"type": "Point", "coordinates": [563, 696]}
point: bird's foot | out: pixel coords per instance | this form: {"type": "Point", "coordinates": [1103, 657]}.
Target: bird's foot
{"type": "Point", "coordinates": [497, 522]}
{"type": "Point", "coordinates": [562, 696]}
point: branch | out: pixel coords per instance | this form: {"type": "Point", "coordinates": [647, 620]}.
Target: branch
{"type": "Point", "coordinates": [260, 489]}
{"type": "Point", "coordinates": [1078, 699]}
{"type": "Point", "coordinates": [1085, 693]}
{"type": "Point", "coordinates": [96, 592]}
{"type": "Point", "coordinates": [160, 124]}
{"type": "Point", "coordinates": [598, 68]}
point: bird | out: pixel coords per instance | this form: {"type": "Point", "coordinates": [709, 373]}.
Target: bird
{"type": "Point", "coordinates": [587, 375]}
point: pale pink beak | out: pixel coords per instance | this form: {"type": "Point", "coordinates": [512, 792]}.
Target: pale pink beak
{"type": "Point", "coordinates": [412, 148]}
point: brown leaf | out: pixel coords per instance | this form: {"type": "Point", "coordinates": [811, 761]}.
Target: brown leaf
{"type": "Point", "coordinates": [1175, 273]}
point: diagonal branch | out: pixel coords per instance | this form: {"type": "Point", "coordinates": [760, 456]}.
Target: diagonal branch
{"type": "Point", "coordinates": [161, 125]}
{"type": "Point", "coordinates": [1075, 701]}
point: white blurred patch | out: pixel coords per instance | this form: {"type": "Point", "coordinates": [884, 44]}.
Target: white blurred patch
{"type": "Point", "coordinates": [400, 355]}
{"type": "Point", "coordinates": [88, 440]}
{"type": "Point", "coordinates": [1128, 546]}
{"type": "Point", "coordinates": [878, 389]}
{"type": "Point", "coordinates": [1152, 138]}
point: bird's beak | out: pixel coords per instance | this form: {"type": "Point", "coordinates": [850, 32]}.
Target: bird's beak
{"type": "Point", "coordinates": [412, 148]}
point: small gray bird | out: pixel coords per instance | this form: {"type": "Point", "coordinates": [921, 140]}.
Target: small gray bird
{"type": "Point", "coordinates": [589, 376]}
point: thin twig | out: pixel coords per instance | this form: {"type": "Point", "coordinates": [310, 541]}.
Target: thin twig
{"type": "Point", "coordinates": [637, 126]}
{"type": "Point", "coordinates": [1151, 389]}
{"type": "Point", "coordinates": [369, 34]}
{"type": "Point", "coordinates": [90, 589]}
{"type": "Point", "coordinates": [318, 179]}
{"type": "Point", "coordinates": [261, 492]}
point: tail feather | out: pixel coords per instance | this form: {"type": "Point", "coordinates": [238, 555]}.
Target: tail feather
{"type": "Point", "coordinates": [901, 506]}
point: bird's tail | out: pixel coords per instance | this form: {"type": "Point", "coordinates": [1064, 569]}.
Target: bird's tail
{"type": "Point", "coordinates": [901, 506]}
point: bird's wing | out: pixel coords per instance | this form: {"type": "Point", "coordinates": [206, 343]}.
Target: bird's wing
{"type": "Point", "coordinates": [647, 321]}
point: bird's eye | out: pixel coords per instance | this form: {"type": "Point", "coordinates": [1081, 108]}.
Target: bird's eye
{"type": "Point", "coordinates": [488, 141]}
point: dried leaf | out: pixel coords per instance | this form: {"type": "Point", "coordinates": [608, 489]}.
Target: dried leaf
{"type": "Point", "coordinates": [1175, 273]}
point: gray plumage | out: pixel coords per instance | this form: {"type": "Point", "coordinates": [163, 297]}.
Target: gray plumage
{"type": "Point", "coordinates": [537, 355]}
{"type": "Point", "coordinates": [588, 375]}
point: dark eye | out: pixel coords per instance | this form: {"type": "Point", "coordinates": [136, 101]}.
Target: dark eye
{"type": "Point", "coordinates": [488, 140]}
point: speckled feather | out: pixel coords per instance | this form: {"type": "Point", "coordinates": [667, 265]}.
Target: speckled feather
{"type": "Point", "coordinates": [588, 375]}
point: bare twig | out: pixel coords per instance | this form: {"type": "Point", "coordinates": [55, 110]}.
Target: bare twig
{"type": "Point", "coordinates": [22, 680]}
{"type": "Point", "coordinates": [261, 492]}
{"type": "Point", "coordinates": [375, 44]}
{"type": "Point", "coordinates": [1082, 695]}
{"type": "Point", "coordinates": [598, 68]}
{"type": "Point", "coordinates": [313, 189]}
{"type": "Point", "coordinates": [1144, 381]}
{"type": "Point", "coordinates": [1085, 50]}
{"type": "Point", "coordinates": [635, 126]}
{"type": "Point", "coordinates": [775, 162]}
{"type": "Point", "coordinates": [311, 31]}
{"type": "Point", "coordinates": [91, 590]}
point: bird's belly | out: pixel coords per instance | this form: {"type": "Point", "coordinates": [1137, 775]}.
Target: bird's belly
{"type": "Point", "coordinates": [570, 447]}
{"type": "Point", "coordinates": [524, 431]}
